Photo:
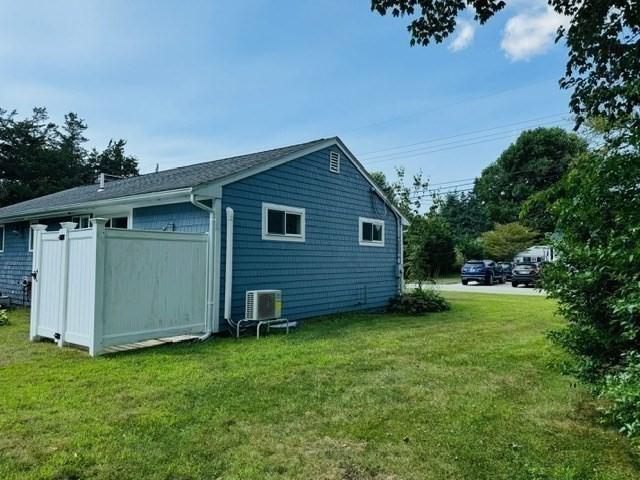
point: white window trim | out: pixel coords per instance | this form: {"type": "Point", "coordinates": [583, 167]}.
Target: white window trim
{"type": "Point", "coordinates": [286, 237]}
{"type": "Point", "coordinates": [4, 237]}
{"type": "Point", "coordinates": [31, 234]}
{"type": "Point", "coordinates": [115, 213]}
{"type": "Point", "coordinates": [370, 243]}
{"type": "Point", "coordinates": [111, 217]}
{"type": "Point", "coordinates": [80, 217]}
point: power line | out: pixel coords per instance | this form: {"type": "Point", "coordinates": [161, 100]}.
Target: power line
{"type": "Point", "coordinates": [453, 104]}
{"type": "Point", "coordinates": [469, 187]}
{"type": "Point", "coordinates": [445, 188]}
{"type": "Point", "coordinates": [452, 181]}
{"type": "Point", "coordinates": [431, 193]}
{"type": "Point", "coordinates": [471, 132]}
{"type": "Point", "coordinates": [439, 150]}
{"type": "Point", "coordinates": [449, 145]}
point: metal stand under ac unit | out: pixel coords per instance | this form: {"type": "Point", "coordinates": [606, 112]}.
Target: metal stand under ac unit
{"type": "Point", "coordinates": [275, 322]}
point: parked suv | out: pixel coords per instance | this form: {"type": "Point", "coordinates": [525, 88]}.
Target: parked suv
{"type": "Point", "coordinates": [485, 271]}
{"type": "Point", "coordinates": [525, 273]}
{"type": "Point", "coordinates": [507, 268]}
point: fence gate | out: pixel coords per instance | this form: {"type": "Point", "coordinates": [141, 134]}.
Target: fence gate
{"type": "Point", "coordinates": [47, 280]}
{"type": "Point", "coordinates": [58, 297]}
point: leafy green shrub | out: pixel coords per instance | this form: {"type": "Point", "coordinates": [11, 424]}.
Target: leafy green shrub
{"type": "Point", "coordinates": [4, 317]}
{"type": "Point", "coordinates": [622, 390]}
{"type": "Point", "coordinates": [430, 248]}
{"type": "Point", "coordinates": [595, 278]}
{"type": "Point", "coordinates": [419, 302]}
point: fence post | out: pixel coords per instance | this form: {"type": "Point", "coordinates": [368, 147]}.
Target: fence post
{"type": "Point", "coordinates": [38, 229]}
{"type": "Point", "coordinates": [64, 279]}
{"type": "Point", "coordinates": [95, 343]}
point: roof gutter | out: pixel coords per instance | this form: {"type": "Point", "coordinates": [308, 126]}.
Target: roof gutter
{"type": "Point", "coordinates": [51, 212]}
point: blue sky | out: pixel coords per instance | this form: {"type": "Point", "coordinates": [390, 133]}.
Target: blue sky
{"type": "Point", "coordinates": [192, 81]}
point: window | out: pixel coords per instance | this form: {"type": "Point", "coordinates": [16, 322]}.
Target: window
{"type": "Point", "coordinates": [283, 223]}
{"type": "Point", "coordinates": [334, 162]}
{"type": "Point", "coordinates": [82, 221]}
{"type": "Point", "coordinates": [371, 232]}
{"type": "Point", "coordinates": [1, 238]}
{"type": "Point", "coordinates": [32, 233]}
{"type": "Point", "coordinates": [117, 222]}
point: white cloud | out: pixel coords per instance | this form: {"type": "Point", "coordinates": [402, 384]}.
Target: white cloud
{"type": "Point", "coordinates": [465, 32]}
{"type": "Point", "coordinates": [531, 33]}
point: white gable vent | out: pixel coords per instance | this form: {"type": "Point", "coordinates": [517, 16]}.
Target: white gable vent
{"type": "Point", "coordinates": [334, 162]}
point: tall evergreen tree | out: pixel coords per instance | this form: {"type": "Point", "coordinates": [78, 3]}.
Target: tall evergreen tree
{"type": "Point", "coordinates": [37, 157]}
{"type": "Point", "coordinates": [112, 160]}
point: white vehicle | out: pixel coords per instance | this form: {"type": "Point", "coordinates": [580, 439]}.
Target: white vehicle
{"type": "Point", "coordinates": [535, 254]}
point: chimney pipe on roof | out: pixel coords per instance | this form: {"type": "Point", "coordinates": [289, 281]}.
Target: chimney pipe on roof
{"type": "Point", "coordinates": [101, 182]}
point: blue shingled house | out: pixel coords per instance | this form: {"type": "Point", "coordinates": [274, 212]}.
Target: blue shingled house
{"type": "Point", "coordinates": [307, 220]}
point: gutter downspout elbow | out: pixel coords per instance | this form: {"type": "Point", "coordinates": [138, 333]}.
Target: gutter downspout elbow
{"type": "Point", "coordinates": [228, 265]}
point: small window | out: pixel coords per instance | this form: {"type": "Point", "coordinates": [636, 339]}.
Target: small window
{"type": "Point", "coordinates": [371, 232]}
{"type": "Point", "coordinates": [117, 222]}
{"type": "Point", "coordinates": [32, 235]}
{"type": "Point", "coordinates": [1, 238]}
{"type": "Point", "coordinates": [334, 162]}
{"type": "Point", "coordinates": [283, 223]}
{"type": "Point", "coordinates": [82, 221]}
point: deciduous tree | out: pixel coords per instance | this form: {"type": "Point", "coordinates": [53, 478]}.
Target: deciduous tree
{"type": "Point", "coordinates": [532, 164]}
{"type": "Point", "coordinates": [506, 240]}
{"type": "Point", "coordinates": [430, 247]}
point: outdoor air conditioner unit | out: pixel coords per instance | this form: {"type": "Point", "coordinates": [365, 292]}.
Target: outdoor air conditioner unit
{"type": "Point", "coordinates": [263, 305]}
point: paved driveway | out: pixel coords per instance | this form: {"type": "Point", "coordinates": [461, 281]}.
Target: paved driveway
{"type": "Point", "coordinates": [505, 289]}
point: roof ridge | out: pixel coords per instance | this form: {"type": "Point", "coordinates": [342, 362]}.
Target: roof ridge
{"type": "Point", "coordinates": [111, 182]}
{"type": "Point", "coordinates": [260, 152]}
{"type": "Point", "coordinates": [177, 177]}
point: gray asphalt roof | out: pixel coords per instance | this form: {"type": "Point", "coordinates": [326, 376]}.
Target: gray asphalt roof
{"type": "Point", "coordinates": [176, 178]}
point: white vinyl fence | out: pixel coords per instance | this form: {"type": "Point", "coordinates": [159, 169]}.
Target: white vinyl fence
{"type": "Point", "coordinates": [101, 287]}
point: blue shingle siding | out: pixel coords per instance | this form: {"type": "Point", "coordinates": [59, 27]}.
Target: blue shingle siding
{"type": "Point", "coordinates": [327, 273]}
{"type": "Point", "coordinates": [330, 271]}
{"type": "Point", "coordinates": [16, 262]}
{"type": "Point", "coordinates": [179, 217]}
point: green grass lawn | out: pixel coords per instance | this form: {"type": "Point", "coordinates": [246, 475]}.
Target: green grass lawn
{"type": "Point", "coordinates": [468, 394]}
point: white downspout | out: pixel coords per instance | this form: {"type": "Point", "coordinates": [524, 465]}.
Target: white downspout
{"type": "Point", "coordinates": [228, 265]}
{"type": "Point", "coordinates": [400, 257]}
{"type": "Point", "coordinates": [209, 297]}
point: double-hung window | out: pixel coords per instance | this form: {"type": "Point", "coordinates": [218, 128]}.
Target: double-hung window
{"type": "Point", "coordinates": [82, 221]}
{"type": "Point", "coordinates": [371, 232]}
{"type": "Point", "coordinates": [280, 222]}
